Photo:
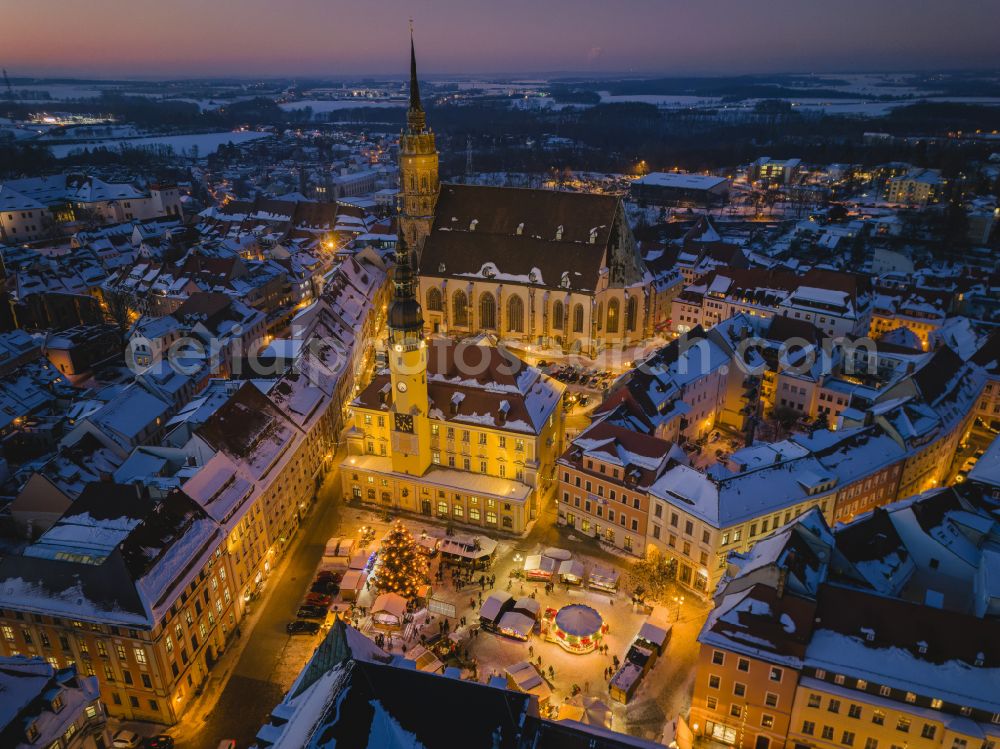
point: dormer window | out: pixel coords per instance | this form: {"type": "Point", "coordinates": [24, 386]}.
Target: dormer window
{"type": "Point", "coordinates": [57, 703]}
{"type": "Point", "coordinates": [559, 233]}
{"type": "Point", "coordinates": [593, 236]}
{"type": "Point", "coordinates": [520, 229]}
{"type": "Point", "coordinates": [472, 224]}
{"type": "Point", "coordinates": [31, 734]}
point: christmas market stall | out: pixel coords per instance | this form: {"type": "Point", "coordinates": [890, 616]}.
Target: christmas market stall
{"type": "Point", "coordinates": [653, 637]}
{"type": "Point", "coordinates": [352, 584]}
{"type": "Point", "coordinates": [425, 660]}
{"type": "Point", "coordinates": [389, 612]}
{"type": "Point", "coordinates": [625, 681]}
{"type": "Point", "coordinates": [517, 625]}
{"type": "Point", "coordinates": [539, 568]}
{"type": "Point", "coordinates": [571, 572]}
{"type": "Point", "coordinates": [638, 661]}
{"type": "Point", "coordinates": [603, 578]}
{"type": "Point", "coordinates": [493, 608]}
{"type": "Point", "coordinates": [524, 677]}
{"type": "Point", "coordinates": [468, 551]}
{"type": "Point", "coordinates": [528, 606]}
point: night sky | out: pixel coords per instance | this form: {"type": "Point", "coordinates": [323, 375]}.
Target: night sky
{"type": "Point", "coordinates": [333, 37]}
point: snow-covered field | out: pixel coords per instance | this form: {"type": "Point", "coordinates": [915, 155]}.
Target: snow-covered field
{"type": "Point", "coordinates": [320, 105]}
{"type": "Point", "coordinates": [206, 142]}
{"type": "Point", "coordinates": [62, 91]}
{"type": "Point", "coordinates": [658, 100]}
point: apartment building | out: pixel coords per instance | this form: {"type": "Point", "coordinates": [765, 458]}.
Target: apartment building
{"type": "Point", "coordinates": [133, 590]}
{"type": "Point", "coordinates": [796, 652]}
{"type": "Point", "coordinates": [604, 479]}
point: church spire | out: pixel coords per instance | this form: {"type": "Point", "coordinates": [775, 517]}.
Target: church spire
{"type": "Point", "coordinates": [415, 118]}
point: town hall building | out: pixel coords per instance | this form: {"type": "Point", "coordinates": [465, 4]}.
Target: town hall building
{"type": "Point", "coordinates": [464, 432]}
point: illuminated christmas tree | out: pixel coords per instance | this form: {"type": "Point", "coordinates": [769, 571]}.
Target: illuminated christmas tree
{"type": "Point", "coordinates": [401, 567]}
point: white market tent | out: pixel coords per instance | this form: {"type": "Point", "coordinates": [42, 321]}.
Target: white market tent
{"type": "Point", "coordinates": [352, 582]}
{"type": "Point", "coordinates": [359, 561]}
{"type": "Point", "coordinates": [605, 578]}
{"type": "Point", "coordinates": [468, 547]}
{"type": "Point", "coordinates": [654, 635]}
{"type": "Point", "coordinates": [571, 571]}
{"type": "Point", "coordinates": [539, 566]}
{"type": "Point", "coordinates": [524, 677]}
{"type": "Point", "coordinates": [591, 711]}
{"type": "Point", "coordinates": [389, 610]}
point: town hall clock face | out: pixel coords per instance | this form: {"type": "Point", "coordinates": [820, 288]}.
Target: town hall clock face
{"type": "Point", "coordinates": [404, 423]}
{"type": "Point", "coordinates": [401, 387]}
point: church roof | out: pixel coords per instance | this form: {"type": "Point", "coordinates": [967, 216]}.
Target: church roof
{"type": "Point", "coordinates": [537, 237]}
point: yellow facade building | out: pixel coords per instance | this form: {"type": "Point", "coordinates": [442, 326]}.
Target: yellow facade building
{"type": "Point", "coordinates": [464, 432]}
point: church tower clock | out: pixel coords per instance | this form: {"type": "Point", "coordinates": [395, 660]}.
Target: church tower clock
{"type": "Point", "coordinates": [408, 422]}
{"type": "Point", "coordinates": [418, 168]}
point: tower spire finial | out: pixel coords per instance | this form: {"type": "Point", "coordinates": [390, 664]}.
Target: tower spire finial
{"type": "Point", "coordinates": [415, 116]}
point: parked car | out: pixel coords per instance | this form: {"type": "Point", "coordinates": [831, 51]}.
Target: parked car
{"type": "Point", "coordinates": [227, 744]}
{"type": "Point", "coordinates": [163, 741]}
{"type": "Point", "coordinates": [318, 599]}
{"type": "Point", "coordinates": [324, 587]}
{"type": "Point", "coordinates": [310, 612]}
{"type": "Point", "coordinates": [300, 627]}
{"type": "Point", "coordinates": [124, 739]}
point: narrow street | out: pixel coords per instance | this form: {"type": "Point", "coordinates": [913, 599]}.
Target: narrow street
{"type": "Point", "coordinates": [251, 692]}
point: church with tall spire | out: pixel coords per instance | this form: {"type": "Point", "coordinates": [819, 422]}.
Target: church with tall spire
{"type": "Point", "coordinates": [418, 168]}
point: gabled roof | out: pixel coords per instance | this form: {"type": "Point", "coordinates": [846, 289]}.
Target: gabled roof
{"type": "Point", "coordinates": [538, 237]}
{"type": "Point", "coordinates": [119, 557]}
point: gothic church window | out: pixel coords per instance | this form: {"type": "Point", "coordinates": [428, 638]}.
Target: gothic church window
{"type": "Point", "coordinates": [487, 311]}
{"type": "Point", "coordinates": [613, 316]}
{"type": "Point", "coordinates": [631, 313]}
{"type": "Point", "coordinates": [434, 299]}
{"type": "Point", "coordinates": [460, 308]}
{"type": "Point", "coordinates": [557, 315]}
{"type": "Point", "coordinates": [515, 314]}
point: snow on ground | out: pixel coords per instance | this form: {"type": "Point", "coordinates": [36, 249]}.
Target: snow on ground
{"type": "Point", "coordinates": [665, 101]}
{"type": "Point", "coordinates": [207, 143]}
{"type": "Point", "coordinates": [320, 106]}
